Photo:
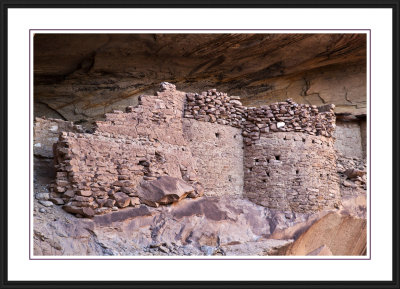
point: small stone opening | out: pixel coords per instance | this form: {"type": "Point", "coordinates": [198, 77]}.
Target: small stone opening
{"type": "Point", "coordinates": [297, 172]}
{"type": "Point", "coordinates": [278, 157]}
{"type": "Point", "coordinates": [217, 135]}
{"type": "Point", "coordinates": [304, 140]}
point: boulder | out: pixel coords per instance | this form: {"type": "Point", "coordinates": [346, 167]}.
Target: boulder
{"type": "Point", "coordinates": [84, 211]}
{"type": "Point", "coordinates": [353, 173]}
{"type": "Point", "coordinates": [164, 190]}
{"type": "Point", "coordinates": [122, 200]}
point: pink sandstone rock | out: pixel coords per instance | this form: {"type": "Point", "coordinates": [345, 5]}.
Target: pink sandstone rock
{"type": "Point", "coordinates": [164, 190]}
{"type": "Point", "coordinates": [321, 251]}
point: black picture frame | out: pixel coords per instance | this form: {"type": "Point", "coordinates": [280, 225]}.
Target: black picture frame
{"type": "Point", "coordinates": [32, 4]}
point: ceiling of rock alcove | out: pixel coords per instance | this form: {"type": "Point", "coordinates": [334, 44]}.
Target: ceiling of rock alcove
{"type": "Point", "coordinates": [82, 76]}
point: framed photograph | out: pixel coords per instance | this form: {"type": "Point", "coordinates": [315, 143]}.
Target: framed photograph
{"type": "Point", "coordinates": [200, 145]}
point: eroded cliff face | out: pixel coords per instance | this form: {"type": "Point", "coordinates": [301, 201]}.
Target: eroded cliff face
{"type": "Point", "coordinates": [82, 76]}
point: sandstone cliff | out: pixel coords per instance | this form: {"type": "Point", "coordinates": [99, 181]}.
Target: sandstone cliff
{"type": "Point", "coordinates": [82, 76]}
{"type": "Point", "coordinates": [305, 194]}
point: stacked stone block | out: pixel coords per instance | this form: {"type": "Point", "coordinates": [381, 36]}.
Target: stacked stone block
{"type": "Point", "coordinates": [287, 116]}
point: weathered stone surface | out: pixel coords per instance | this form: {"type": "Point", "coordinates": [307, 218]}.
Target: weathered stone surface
{"type": "Point", "coordinates": [211, 225]}
{"type": "Point", "coordinates": [208, 225]}
{"type": "Point", "coordinates": [82, 76]}
{"type": "Point", "coordinates": [57, 201]}
{"type": "Point", "coordinates": [46, 203]}
{"type": "Point", "coordinates": [354, 173]}
{"type": "Point", "coordinates": [283, 153]}
{"type": "Point", "coordinates": [46, 132]}
{"type": "Point", "coordinates": [353, 176]}
{"type": "Point", "coordinates": [84, 211]}
{"type": "Point", "coordinates": [164, 190]}
{"type": "Point", "coordinates": [127, 149]}
{"type": "Point", "coordinates": [292, 172]}
{"type": "Point", "coordinates": [321, 251]}
{"type": "Point", "coordinates": [218, 153]}
{"type": "Point", "coordinates": [350, 138]}
{"type": "Point", "coordinates": [291, 167]}
{"type": "Point", "coordinates": [343, 234]}
{"type": "Point", "coordinates": [122, 200]}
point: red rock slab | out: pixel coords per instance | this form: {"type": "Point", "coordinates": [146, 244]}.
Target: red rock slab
{"type": "Point", "coordinates": [164, 190]}
{"type": "Point", "coordinates": [84, 211]}
{"type": "Point", "coordinates": [121, 215]}
{"type": "Point", "coordinates": [321, 251]}
{"type": "Point", "coordinates": [343, 234]}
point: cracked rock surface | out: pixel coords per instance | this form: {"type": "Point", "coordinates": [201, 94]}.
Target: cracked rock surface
{"type": "Point", "coordinates": [80, 77]}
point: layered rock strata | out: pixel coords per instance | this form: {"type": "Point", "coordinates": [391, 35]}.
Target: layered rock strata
{"type": "Point", "coordinates": [82, 76]}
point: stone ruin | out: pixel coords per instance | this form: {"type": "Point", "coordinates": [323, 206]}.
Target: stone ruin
{"type": "Point", "coordinates": [175, 145]}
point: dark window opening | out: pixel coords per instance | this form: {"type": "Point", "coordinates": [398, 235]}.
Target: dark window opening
{"type": "Point", "coordinates": [256, 160]}
{"type": "Point", "coordinates": [320, 175]}
{"type": "Point", "coordinates": [268, 174]}
{"type": "Point", "coordinates": [313, 141]}
{"type": "Point", "coordinates": [217, 134]}
{"type": "Point", "coordinates": [297, 172]}
{"type": "Point", "coordinates": [278, 157]}
{"type": "Point", "coordinates": [304, 140]}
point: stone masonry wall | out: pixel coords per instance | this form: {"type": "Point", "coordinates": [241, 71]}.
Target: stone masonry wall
{"type": "Point", "coordinates": [216, 107]}
{"type": "Point", "coordinates": [289, 155]}
{"type": "Point", "coordinates": [218, 153]}
{"type": "Point", "coordinates": [285, 159]}
{"type": "Point", "coordinates": [46, 132]}
{"type": "Point", "coordinates": [348, 139]}
{"type": "Point", "coordinates": [99, 172]}
{"type": "Point", "coordinates": [292, 171]}
{"type": "Point", "coordinates": [364, 139]}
